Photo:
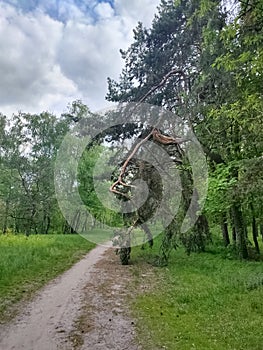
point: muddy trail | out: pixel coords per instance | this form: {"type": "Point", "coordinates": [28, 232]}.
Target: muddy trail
{"type": "Point", "coordinates": [85, 308]}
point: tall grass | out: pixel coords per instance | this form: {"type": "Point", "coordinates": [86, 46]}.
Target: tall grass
{"type": "Point", "coordinates": [27, 263]}
{"type": "Point", "coordinates": [203, 301]}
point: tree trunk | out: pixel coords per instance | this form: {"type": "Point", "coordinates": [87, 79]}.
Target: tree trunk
{"type": "Point", "coordinates": [203, 232]}
{"type": "Point", "coordinates": [254, 229]}
{"type": "Point", "coordinates": [234, 235]}
{"type": "Point", "coordinates": [47, 225]}
{"type": "Point", "coordinates": [240, 232]}
{"type": "Point", "coordinates": [6, 217]}
{"type": "Point", "coordinates": [261, 230]}
{"type": "Point", "coordinates": [255, 234]}
{"type": "Point", "coordinates": [224, 228]}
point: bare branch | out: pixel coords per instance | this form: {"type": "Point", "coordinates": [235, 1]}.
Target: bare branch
{"type": "Point", "coordinates": [155, 133]}
{"type": "Point", "coordinates": [123, 169]}
{"type": "Point", "coordinates": [162, 82]}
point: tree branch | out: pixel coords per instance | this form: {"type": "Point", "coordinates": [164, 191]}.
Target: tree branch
{"type": "Point", "coordinates": [155, 133]}
{"type": "Point", "coordinates": [162, 82]}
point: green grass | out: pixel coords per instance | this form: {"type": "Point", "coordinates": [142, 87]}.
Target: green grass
{"type": "Point", "coordinates": [202, 301]}
{"type": "Point", "coordinates": [27, 263]}
{"type": "Point", "coordinates": [99, 235]}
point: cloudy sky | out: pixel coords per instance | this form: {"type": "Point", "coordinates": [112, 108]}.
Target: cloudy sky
{"type": "Point", "coordinates": [55, 51]}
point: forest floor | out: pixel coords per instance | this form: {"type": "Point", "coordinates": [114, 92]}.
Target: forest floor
{"type": "Point", "coordinates": [84, 308]}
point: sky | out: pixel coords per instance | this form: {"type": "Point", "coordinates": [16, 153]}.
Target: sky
{"type": "Point", "coordinates": [53, 52]}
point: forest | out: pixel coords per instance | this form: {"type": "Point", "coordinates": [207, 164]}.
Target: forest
{"type": "Point", "coordinates": [172, 176]}
{"type": "Point", "coordinates": [202, 62]}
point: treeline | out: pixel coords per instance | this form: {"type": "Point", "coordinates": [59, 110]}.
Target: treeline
{"type": "Point", "coordinates": [27, 153]}
{"type": "Point", "coordinates": [215, 51]}
{"type": "Point", "coordinates": [28, 148]}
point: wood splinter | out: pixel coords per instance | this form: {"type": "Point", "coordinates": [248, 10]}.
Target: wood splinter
{"type": "Point", "coordinates": [165, 140]}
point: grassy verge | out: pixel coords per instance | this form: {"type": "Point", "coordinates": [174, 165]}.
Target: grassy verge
{"type": "Point", "coordinates": [202, 301]}
{"type": "Point", "coordinates": [27, 263]}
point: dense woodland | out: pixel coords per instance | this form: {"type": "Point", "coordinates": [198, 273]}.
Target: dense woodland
{"type": "Point", "coordinates": [212, 54]}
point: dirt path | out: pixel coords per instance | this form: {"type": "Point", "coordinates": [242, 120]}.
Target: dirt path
{"type": "Point", "coordinates": [83, 308]}
{"type": "Point", "coordinates": [104, 322]}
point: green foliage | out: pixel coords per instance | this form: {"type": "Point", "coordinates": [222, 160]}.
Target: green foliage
{"type": "Point", "coordinates": [27, 194]}
{"type": "Point", "coordinates": [220, 191]}
{"type": "Point", "coordinates": [91, 171]}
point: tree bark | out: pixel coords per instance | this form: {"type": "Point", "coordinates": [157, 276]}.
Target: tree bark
{"type": "Point", "coordinates": [254, 229]}
{"type": "Point", "coordinates": [48, 224]}
{"type": "Point", "coordinates": [261, 230]}
{"type": "Point", "coordinates": [255, 234]}
{"type": "Point", "coordinates": [234, 235]}
{"type": "Point", "coordinates": [224, 228]}
{"type": "Point", "coordinates": [240, 232]}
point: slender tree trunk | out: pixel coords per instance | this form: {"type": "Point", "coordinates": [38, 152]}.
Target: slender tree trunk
{"type": "Point", "coordinates": [240, 232]}
{"type": "Point", "coordinates": [47, 225]}
{"type": "Point", "coordinates": [254, 229]}
{"type": "Point", "coordinates": [224, 228]}
{"type": "Point", "coordinates": [6, 216]}
{"type": "Point", "coordinates": [255, 234]}
{"type": "Point", "coordinates": [203, 232]}
{"type": "Point", "coordinates": [261, 230]}
{"type": "Point", "coordinates": [234, 235]}
{"type": "Point", "coordinates": [245, 230]}
{"type": "Point", "coordinates": [233, 230]}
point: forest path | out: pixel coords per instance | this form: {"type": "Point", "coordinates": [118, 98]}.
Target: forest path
{"type": "Point", "coordinates": [84, 308]}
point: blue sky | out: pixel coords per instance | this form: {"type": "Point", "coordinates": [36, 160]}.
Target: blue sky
{"type": "Point", "coordinates": [55, 51]}
{"type": "Point", "coordinates": [55, 8]}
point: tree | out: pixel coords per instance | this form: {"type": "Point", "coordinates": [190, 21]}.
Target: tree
{"type": "Point", "coordinates": [239, 113]}
{"type": "Point", "coordinates": [28, 152]}
{"type": "Point", "coordinates": [162, 67]}
{"type": "Point", "coordinates": [205, 53]}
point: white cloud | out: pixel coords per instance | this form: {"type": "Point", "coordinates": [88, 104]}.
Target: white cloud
{"type": "Point", "coordinates": [137, 10]}
{"type": "Point", "coordinates": [28, 68]}
{"type": "Point", "coordinates": [104, 10]}
{"type": "Point", "coordinates": [67, 10]}
{"type": "Point", "coordinates": [90, 53]}
{"type": "Point", "coordinates": [45, 62]}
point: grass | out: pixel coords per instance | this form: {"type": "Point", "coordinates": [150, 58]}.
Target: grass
{"type": "Point", "coordinates": [202, 301]}
{"type": "Point", "coordinates": [99, 235]}
{"type": "Point", "coordinates": [27, 263]}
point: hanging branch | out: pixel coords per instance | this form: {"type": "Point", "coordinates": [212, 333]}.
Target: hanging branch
{"type": "Point", "coordinates": [155, 133]}
{"type": "Point", "coordinates": [123, 169]}
{"type": "Point", "coordinates": [158, 137]}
